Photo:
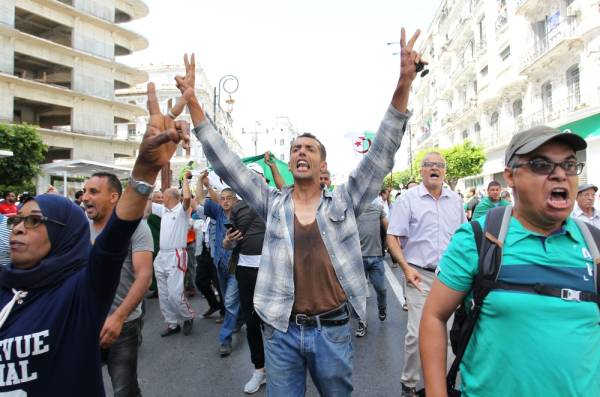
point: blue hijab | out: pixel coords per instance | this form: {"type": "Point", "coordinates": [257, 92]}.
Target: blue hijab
{"type": "Point", "coordinates": [69, 252]}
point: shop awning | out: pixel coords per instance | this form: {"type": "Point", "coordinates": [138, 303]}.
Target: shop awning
{"type": "Point", "coordinates": [587, 128]}
{"type": "Point", "coordinates": [83, 168]}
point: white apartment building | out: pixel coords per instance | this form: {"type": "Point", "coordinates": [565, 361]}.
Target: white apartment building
{"type": "Point", "coordinates": [276, 137]}
{"type": "Point", "coordinates": [501, 66]}
{"type": "Point", "coordinates": [58, 71]}
{"type": "Point", "coordinates": [163, 76]}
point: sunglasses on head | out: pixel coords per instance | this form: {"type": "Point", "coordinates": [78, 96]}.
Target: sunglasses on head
{"type": "Point", "coordinates": [30, 221]}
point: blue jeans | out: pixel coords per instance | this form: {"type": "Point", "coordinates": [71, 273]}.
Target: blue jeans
{"type": "Point", "coordinates": [326, 352]}
{"type": "Point", "coordinates": [231, 298]}
{"type": "Point", "coordinates": [375, 271]}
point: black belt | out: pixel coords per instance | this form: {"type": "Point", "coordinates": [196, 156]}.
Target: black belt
{"type": "Point", "coordinates": [327, 318]}
{"type": "Point", "coordinates": [422, 268]}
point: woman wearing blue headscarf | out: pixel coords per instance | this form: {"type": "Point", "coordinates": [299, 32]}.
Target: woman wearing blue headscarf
{"type": "Point", "coordinates": [57, 290]}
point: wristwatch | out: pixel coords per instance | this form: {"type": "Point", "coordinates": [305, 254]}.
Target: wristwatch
{"type": "Point", "coordinates": [143, 188]}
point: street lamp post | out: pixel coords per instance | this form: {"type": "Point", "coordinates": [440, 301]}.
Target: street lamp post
{"type": "Point", "coordinates": [255, 135]}
{"type": "Point", "coordinates": [217, 92]}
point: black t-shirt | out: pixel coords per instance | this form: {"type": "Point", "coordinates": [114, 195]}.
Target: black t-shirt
{"type": "Point", "coordinates": [252, 226]}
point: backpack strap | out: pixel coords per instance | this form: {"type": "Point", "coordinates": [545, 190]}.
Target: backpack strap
{"type": "Point", "coordinates": [591, 234]}
{"type": "Point", "coordinates": [489, 247]}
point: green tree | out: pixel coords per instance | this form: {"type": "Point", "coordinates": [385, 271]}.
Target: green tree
{"type": "Point", "coordinates": [398, 179]}
{"type": "Point", "coordinates": [462, 160]}
{"type": "Point", "coordinates": [18, 171]}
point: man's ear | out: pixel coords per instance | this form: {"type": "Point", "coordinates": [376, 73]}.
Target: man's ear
{"type": "Point", "coordinates": [509, 177]}
{"type": "Point", "coordinates": [323, 166]}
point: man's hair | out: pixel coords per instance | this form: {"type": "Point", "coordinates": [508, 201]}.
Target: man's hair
{"type": "Point", "coordinates": [311, 136]}
{"type": "Point", "coordinates": [383, 191]}
{"type": "Point", "coordinates": [78, 194]}
{"type": "Point", "coordinates": [114, 183]}
{"type": "Point", "coordinates": [430, 153]}
{"type": "Point", "coordinates": [173, 193]}
{"type": "Point", "coordinates": [408, 183]}
{"type": "Point", "coordinates": [493, 183]}
{"type": "Point", "coordinates": [6, 193]}
{"type": "Point", "coordinates": [228, 190]}
{"type": "Point", "coordinates": [326, 172]}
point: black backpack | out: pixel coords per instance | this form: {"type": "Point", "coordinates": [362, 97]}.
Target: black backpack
{"type": "Point", "coordinates": [489, 245]}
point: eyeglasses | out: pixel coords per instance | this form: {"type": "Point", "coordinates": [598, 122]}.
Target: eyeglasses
{"type": "Point", "coordinates": [547, 167]}
{"type": "Point", "coordinates": [30, 221]}
{"type": "Point", "coordinates": [431, 164]}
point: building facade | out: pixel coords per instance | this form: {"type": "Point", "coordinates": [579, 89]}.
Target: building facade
{"type": "Point", "coordinates": [58, 71]}
{"type": "Point", "coordinates": [163, 76]}
{"type": "Point", "coordinates": [276, 137]}
{"type": "Point", "coordinates": [499, 67]}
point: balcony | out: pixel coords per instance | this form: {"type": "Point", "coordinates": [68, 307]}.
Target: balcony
{"type": "Point", "coordinates": [42, 71]}
{"type": "Point", "coordinates": [554, 45]}
{"type": "Point", "coordinates": [463, 72]}
{"type": "Point", "coordinates": [528, 7]}
{"type": "Point", "coordinates": [41, 27]}
{"type": "Point", "coordinates": [553, 113]}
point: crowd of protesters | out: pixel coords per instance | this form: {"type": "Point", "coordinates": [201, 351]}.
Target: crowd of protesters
{"type": "Point", "coordinates": [292, 264]}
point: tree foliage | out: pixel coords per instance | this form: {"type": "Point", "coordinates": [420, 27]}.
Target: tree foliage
{"type": "Point", "coordinates": [398, 179]}
{"type": "Point", "coordinates": [462, 160]}
{"type": "Point", "coordinates": [18, 171]}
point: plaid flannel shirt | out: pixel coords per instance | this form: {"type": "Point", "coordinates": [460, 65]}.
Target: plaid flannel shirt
{"type": "Point", "coordinates": [336, 218]}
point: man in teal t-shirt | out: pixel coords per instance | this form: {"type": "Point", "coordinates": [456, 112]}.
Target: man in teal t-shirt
{"type": "Point", "coordinates": [524, 344]}
{"type": "Point", "coordinates": [492, 200]}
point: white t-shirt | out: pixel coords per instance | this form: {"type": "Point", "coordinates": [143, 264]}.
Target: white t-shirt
{"type": "Point", "coordinates": [174, 226]}
{"type": "Point", "coordinates": [249, 260]}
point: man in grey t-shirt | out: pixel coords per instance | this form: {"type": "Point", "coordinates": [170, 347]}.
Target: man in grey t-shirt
{"type": "Point", "coordinates": [370, 224]}
{"type": "Point", "coordinates": [120, 335]}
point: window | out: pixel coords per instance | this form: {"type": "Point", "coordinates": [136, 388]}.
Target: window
{"type": "Point", "coordinates": [494, 121]}
{"type": "Point", "coordinates": [281, 142]}
{"type": "Point", "coordinates": [481, 31]}
{"type": "Point", "coordinates": [131, 129]}
{"type": "Point", "coordinates": [476, 132]}
{"type": "Point", "coordinates": [505, 53]}
{"type": "Point", "coordinates": [547, 99]}
{"type": "Point", "coordinates": [465, 134]}
{"type": "Point", "coordinates": [484, 71]}
{"type": "Point", "coordinates": [573, 86]}
{"type": "Point", "coordinates": [517, 108]}
{"type": "Point", "coordinates": [282, 156]}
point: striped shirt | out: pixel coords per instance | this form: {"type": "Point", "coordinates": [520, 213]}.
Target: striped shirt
{"type": "Point", "coordinates": [336, 218]}
{"type": "Point", "coordinates": [4, 242]}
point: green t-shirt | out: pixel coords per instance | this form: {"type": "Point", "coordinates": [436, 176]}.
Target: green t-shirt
{"type": "Point", "coordinates": [485, 205]}
{"type": "Point", "coordinates": [526, 344]}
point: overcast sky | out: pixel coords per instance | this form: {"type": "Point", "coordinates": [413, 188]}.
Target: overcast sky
{"type": "Point", "coordinates": [324, 64]}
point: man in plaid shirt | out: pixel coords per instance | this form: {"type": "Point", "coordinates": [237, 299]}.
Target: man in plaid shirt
{"type": "Point", "coordinates": [311, 267]}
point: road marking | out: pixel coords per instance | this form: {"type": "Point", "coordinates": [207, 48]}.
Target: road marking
{"type": "Point", "coordinates": [394, 283]}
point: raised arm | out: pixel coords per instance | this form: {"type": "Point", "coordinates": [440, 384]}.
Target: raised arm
{"type": "Point", "coordinates": [187, 195]}
{"type": "Point", "coordinates": [366, 179]}
{"type": "Point", "coordinates": [277, 178]}
{"type": "Point", "coordinates": [158, 145]}
{"type": "Point", "coordinates": [225, 162]}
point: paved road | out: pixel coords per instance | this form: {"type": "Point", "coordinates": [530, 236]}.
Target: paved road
{"type": "Point", "coordinates": [190, 365]}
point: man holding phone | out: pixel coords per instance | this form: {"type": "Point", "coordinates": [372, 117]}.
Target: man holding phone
{"type": "Point", "coordinates": [227, 282]}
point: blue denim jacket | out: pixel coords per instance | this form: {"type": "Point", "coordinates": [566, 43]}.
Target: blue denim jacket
{"type": "Point", "coordinates": [336, 218]}
{"type": "Point", "coordinates": [219, 254]}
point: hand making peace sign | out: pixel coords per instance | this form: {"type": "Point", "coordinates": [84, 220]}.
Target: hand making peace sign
{"type": "Point", "coordinates": [163, 133]}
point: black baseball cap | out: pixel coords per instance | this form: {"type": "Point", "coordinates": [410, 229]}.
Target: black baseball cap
{"type": "Point", "coordinates": [529, 140]}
